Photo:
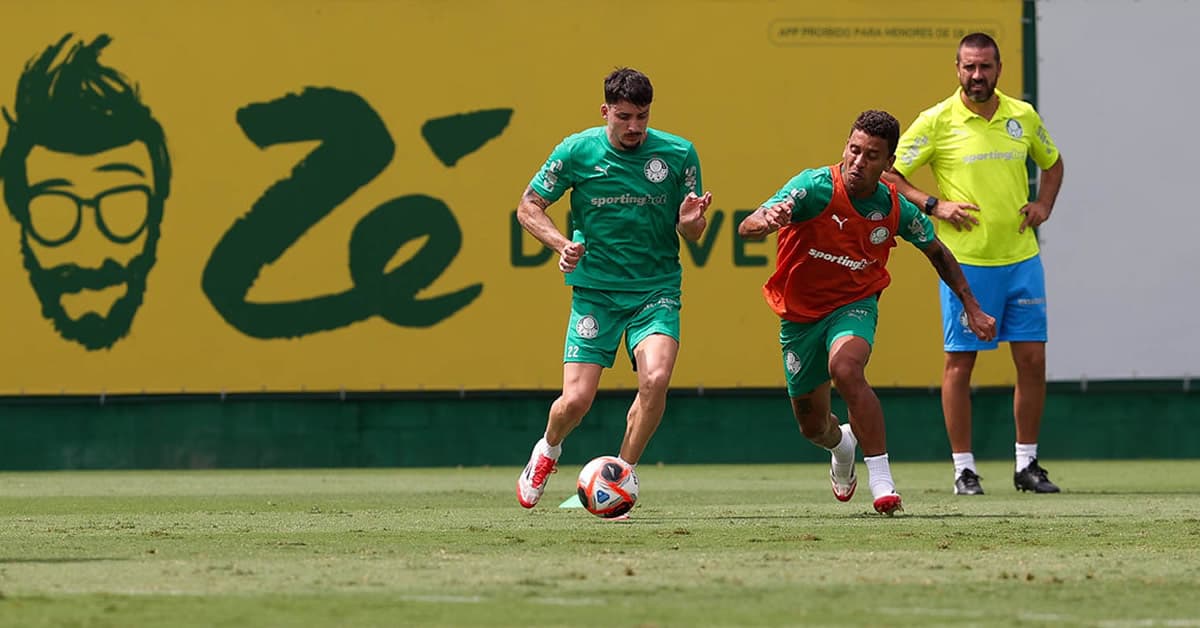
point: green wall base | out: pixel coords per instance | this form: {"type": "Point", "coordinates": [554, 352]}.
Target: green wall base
{"type": "Point", "coordinates": [476, 429]}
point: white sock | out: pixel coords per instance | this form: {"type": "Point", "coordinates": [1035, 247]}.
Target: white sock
{"type": "Point", "coordinates": [546, 450]}
{"type": "Point", "coordinates": [880, 475]}
{"type": "Point", "coordinates": [963, 461]}
{"type": "Point", "coordinates": [1026, 453]}
{"type": "Point", "coordinates": [843, 453]}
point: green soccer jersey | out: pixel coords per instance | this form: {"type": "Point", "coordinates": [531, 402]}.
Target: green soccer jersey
{"type": "Point", "coordinates": [625, 204]}
{"type": "Point", "coordinates": [812, 189]}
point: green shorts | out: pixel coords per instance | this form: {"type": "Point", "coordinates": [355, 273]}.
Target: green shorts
{"type": "Point", "coordinates": [806, 345]}
{"type": "Point", "coordinates": [600, 317]}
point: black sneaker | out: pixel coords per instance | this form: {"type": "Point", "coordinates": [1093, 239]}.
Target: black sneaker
{"type": "Point", "coordinates": [967, 483]}
{"type": "Point", "coordinates": [1033, 478]}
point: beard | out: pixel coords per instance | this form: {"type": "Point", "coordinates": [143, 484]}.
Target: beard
{"type": "Point", "coordinates": [979, 92]}
{"type": "Point", "coordinates": [92, 330]}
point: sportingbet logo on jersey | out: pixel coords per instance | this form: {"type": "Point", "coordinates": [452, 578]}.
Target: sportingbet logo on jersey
{"type": "Point", "coordinates": [628, 199]}
{"type": "Point", "coordinates": [841, 260]}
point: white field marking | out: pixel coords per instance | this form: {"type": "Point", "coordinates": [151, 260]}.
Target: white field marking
{"type": "Point", "coordinates": [443, 599]}
{"type": "Point", "coordinates": [570, 601]}
{"type": "Point", "coordinates": [938, 612]}
{"type": "Point", "coordinates": [1138, 623]}
{"type": "Point", "coordinates": [1049, 617]}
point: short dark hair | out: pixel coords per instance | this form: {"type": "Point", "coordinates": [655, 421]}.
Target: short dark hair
{"type": "Point", "coordinates": [977, 40]}
{"type": "Point", "coordinates": [879, 124]}
{"type": "Point", "coordinates": [628, 84]}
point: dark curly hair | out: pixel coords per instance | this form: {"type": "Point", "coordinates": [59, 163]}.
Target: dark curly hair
{"type": "Point", "coordinates": [879, 124]}
{"type": "Point", "coordinates": [628, 84]}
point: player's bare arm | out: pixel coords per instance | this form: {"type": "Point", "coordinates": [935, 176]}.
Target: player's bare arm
{"type": "Point", "coordinates": [981, 323]}
{"type": "Point", "coordinates": [1039, 210]}
{"type": "Point", "coordinates": [956, 213]}
{"type": "Point", "coordinates": [691, 215]}
{"type": "Point", "coordinates": [531, 213]}
{"type": "Point", "coordinates": [766, 220]}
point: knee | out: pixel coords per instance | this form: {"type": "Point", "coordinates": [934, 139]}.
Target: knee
{"type": "Point", "coordinates": [846, 374]}
{"type": "Point", "coordinates": [1030, 362]}
{"type": "Point", "coordinates": [959, 366]}
{"type": "Point", "coordinates": [813, 426]}
{"type": "Point", "coordinates": [575, 404]}
{"type": "Point", "coordinates": [654, 383]}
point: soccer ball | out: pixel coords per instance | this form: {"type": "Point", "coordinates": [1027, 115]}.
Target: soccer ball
{"type": "Point", "coordinates": [608, 487]}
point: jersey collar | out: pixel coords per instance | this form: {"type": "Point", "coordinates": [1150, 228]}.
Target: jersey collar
{"type": "Point", "coordinates": [962, 114]}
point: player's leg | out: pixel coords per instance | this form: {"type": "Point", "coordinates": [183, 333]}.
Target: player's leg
{"type": "Point", "coordinates": [655, 357]}
{"type": "Point", "coordinates": [652, 340]}
{"type": "Point", "coordinates": [580, 382]}
{"type": "Point", "coordinates": [850, 334]}
{"type": "Point", "coordinates": [806, 367]}
{"type": "Point", "coordinates": [956, 411]}
{"type": "Point", "coordinates": [820, 426]}
{"type": "Point", "coordinates": [1029, 399]}
{"type": "Point", "coordinates": [1025, 330]}
{"type": "Point", "coordinates": [961, 347]}
{"type": "Point", "coordinates": [590, 347]}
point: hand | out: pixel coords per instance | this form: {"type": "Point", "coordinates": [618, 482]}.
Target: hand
{"type": "Point", "coordinates": [778, 215]}
{"type": "Point", "coordinates": [982, 324]}
{"type": "Point", "coordinates": [692, 208]}
{"type": "Point", "coordinates": [957, 214]}
{"type": "Point", "coordinates": [1036, 213]}
{"type": "Point", "coordinates": [568, 257]}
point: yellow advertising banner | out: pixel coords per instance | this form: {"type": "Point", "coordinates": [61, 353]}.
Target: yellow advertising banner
{"type": "Point", "coordinates": [302, 195]}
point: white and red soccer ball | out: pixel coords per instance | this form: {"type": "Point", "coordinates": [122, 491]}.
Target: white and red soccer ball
{"type": "Point", "coordinates": [608, 487]}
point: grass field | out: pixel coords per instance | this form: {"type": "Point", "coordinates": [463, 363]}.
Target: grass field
{"type": "Point", "coordinates": [706, 546]}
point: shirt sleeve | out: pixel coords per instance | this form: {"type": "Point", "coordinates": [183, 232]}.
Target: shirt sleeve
{"type": "Point", "coordinates": [915, 148]}
{"type": "Point", "coordinates": [802, 189]}
{"type": "Point", "coordinates": [552, 181]}
{"type": "Point", "coordinates": [1041, 146]}
{"type": "Point", "coordinates": [915, 226]}
{"type": "Point", "coordinates": [692, 181]}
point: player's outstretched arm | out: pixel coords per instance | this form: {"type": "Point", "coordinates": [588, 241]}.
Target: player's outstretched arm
{"type": "Point", "coordinates": [766, 220]}
{"type": "Point", "coordinates": [981, 323]}
{"type": "Point", "coordinates": [531, 213]}
{"type": "Point", "coordinates": [691, 215]}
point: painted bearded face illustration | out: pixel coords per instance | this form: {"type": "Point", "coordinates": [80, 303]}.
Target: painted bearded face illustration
{"type": "Point", "coordinates": [86, 175]}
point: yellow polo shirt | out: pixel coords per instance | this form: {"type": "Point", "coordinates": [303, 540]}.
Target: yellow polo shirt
{"type": "Point", "coordinates": [981, 162]}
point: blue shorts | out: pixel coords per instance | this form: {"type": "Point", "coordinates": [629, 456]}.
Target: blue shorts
{"type": "Point", "coordinates": [1014, 294]}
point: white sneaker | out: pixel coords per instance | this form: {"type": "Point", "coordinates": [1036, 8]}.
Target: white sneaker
{"type": "Point", "coordinates": [532, 481]}
{"type": "Point", "coordinates": [843, 486]}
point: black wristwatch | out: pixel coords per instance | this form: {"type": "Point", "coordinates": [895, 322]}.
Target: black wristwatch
{"type": "Point", "coordinates": [930, 203]}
